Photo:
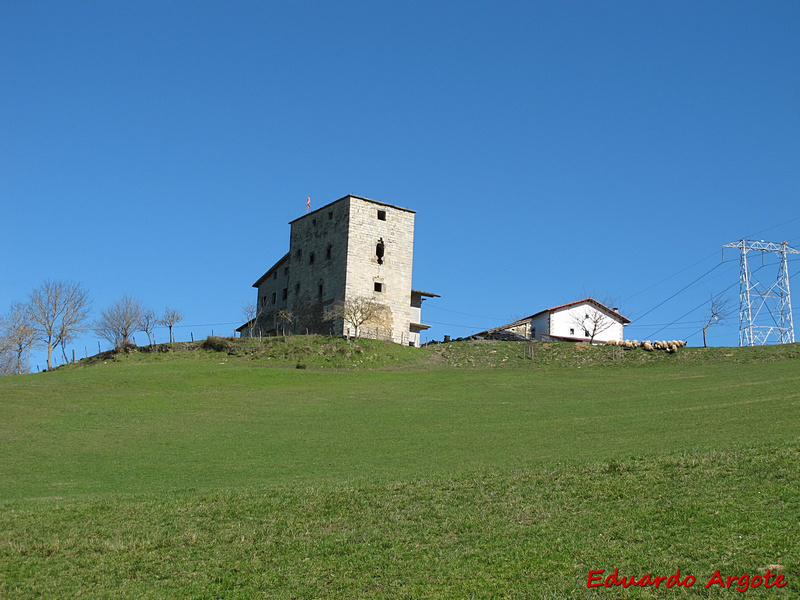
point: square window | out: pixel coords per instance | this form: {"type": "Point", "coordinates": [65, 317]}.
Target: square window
{"type": "Point", "coordinates": [378, 286]}
{"type": "Point", "coordinates": [381, 215]}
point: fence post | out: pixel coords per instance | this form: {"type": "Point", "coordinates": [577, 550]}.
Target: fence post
{"type": "Point", "coordinates": [529, 350]}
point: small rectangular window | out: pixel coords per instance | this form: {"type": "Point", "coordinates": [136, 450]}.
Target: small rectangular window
{"type": "Point", "coordinates": [320, 290]}
{"type": "Point", "coordinates": [378, 286]}
{"type": "Point", "coordinates": [285, 293]}
{"type": "Point", "coordinates": [275, 275]}
{"type": "Point", "coordinates": [314, 222]}
{"type": "Point", "coordinates": [299, 253]}
{"type": "Point", "coordinates": [572, 331]}
{"type": "Point", "coordinates": [381, 215]}
{"type": "Point", "coordinates": [286, 270]}
{"type": "Point", "coordinates": [274, 297]}
{"type": "Point", "coordinates": [311, 258]}
{"type": "Point", "coordinates": [330, 215]}
{"type": "Point", "coordinates": [296, 288]}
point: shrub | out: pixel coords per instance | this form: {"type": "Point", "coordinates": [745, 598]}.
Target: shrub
{"type": "Point", "coordinates": [219, 344]}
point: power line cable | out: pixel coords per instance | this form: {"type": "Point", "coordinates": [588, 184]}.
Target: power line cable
{"type": "Point", "coordinates": [670, 277]}
{"type": "Point", "coordinates": [773, 227]}
{"type": "Point", "coordinates": [678, 292]}
{"type": "Point", "coordinates": [463, 313]}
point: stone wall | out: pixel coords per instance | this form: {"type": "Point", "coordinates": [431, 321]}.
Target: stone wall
{"type": "Point", "coordinates": [375, 229]}
{"type": "Point", "coordinates": [317, 267]}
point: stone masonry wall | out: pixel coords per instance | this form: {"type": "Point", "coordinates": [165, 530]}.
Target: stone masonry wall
{"type": "Point", "coordinates": [317, 267]}
{"type": "Point", "coordinates": [395, 230]}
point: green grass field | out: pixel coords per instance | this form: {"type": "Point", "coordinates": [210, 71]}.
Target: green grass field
{"type": "Point", "coordinates": [380, 471]}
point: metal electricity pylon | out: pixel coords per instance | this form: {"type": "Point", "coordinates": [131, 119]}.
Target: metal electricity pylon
{"type": "Point", "coordinates": [765, 312]}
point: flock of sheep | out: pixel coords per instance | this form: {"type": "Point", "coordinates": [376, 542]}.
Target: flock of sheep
{"type": "Point", "coordinates": [670, 346]}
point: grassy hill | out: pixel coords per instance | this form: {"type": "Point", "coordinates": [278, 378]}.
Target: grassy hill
{"type": "Point", "coordinates": [221, 469]}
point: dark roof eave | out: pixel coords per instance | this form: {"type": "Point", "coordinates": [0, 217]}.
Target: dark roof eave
{"type": "Point", "coordinates": [426, 294]}
{"type": "Point", "coordinates": [270, 270]}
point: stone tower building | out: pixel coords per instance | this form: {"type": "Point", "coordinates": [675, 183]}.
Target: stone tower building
{"type": "Point", "coordinates": [354, 248]}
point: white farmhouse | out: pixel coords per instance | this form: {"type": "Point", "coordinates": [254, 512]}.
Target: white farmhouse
{"type": "Point", "coordinates": [584, 320]}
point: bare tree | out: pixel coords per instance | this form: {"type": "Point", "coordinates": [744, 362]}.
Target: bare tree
{"type": "Point", "coordinates": [17, 337]}
{"type": "Point", "coordinates": [593, 322]}
{"type": "Point", "coordinates": [249, 313]}
{"type": "Point", "coordinates": [286, 319]}
{"type": "Point", "coordinates": [252, 313]}
{"type": "Point", "coordinates": [170, 317]}
{"type": "Point", "coordinates": [148, 323]}
{"type": "Point", "coordinates": [119, 321]}
{"type": "Point", "coordinates": [58, 311]}
{"type": "Point", "coordinates": [717, 313]}
{"type": "Point", "coordinates": [358, 312]}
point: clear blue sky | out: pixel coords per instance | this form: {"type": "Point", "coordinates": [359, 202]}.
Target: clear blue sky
{"type": "Point", "coordinates": [551, 150]}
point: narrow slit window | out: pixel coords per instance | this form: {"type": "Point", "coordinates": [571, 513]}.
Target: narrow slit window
{"type": "Point", "coordinates": [311, 258]}
{"type": "Point", "coordinates": [379, 251]}
{"type": "Point", "coordinates": [320, 290]}
{"type": "Point", "coordinates": [329, 251]}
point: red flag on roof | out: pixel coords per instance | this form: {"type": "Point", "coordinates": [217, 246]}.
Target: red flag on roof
{"type": "Point", "coordinates": [308, 204]}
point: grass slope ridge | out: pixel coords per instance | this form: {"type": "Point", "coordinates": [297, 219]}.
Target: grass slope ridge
{"type": "Point", "coordinates": [313, 351]}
